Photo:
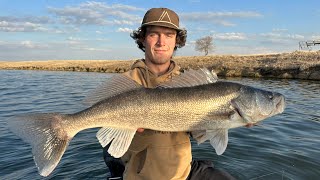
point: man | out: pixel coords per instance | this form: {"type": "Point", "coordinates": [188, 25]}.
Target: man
{"type": "Point", "coordinates": [152, 154]}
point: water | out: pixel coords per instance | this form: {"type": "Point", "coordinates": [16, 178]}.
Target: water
{"type": "Point", "coordinates": [286, 146]}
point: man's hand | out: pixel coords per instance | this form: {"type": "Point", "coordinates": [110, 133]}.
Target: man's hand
{"type": "Point", "coordinates": [140, 130]}
{"type": "Point", "coordinates": [249, 125]}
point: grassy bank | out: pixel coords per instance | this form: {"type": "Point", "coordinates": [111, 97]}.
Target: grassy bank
{"type": "Point", "coordinates": [300, 65]}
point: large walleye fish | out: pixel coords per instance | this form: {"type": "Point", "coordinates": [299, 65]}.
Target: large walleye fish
{"type": "Point", "coordinates": [191, 102]}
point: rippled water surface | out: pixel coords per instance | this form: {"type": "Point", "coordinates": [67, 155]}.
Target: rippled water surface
{"type": "Point", "coordinates": [286, 146]}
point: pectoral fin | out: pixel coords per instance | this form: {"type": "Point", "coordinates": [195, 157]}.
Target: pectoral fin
{"type": "Point", "coordinates": [121, 139]}
{"type": "Point", "coordinates": [218, 138]}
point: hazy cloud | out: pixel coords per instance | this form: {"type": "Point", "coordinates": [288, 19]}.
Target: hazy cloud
{"type": "Point", "coordinates": [278, 37]}
{"type": "Point", "coordinates": [125, 30]}
{"type": "Point", "coordinates": [123, 22]}
{"type": "Point", "coordinates": [26, 44]}
{"type": "Point", "coordinates": [24, 24]}
{"type": "Point", "coordinates": [221, 18]}
{"type": "Point", "coordinates": [7, 26]}
{"type": "Point", "coordinates": [279, 30]}
{"type": "Point", "coordinates": [230, 36]}
{"type": "Point", "coordinates": [31, 19]}
{"type": "Point", "coordinates": [52, 50]}
{"type": "Point", "coordinates": [89, 13]}
{"type": "Point", "coordinates": [97, 13]}
{"type": "Point", "coordinates": [92, 49]}
{"type": "Point", "coordinates": [315, 37]}
{"type": "Point", "coordinates": [77, 40]}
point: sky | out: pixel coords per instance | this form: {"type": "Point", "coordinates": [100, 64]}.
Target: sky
{"type": "Point", "coordinates": [100, 30]}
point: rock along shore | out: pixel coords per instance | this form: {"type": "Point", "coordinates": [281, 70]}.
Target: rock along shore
{"type": "Point", "coordinates": [295, 65]}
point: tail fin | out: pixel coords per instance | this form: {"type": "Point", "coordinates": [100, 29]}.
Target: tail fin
{"type": "Point", "coordinates": [45, 134]}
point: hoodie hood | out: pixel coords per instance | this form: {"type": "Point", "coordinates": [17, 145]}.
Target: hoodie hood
{"type": "Point", "coordinates": [142, 75]}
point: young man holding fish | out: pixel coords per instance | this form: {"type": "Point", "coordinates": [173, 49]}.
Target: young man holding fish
{"type": "Point", "coordinates": [191, 101]}
{"type": "Point", "coordinates": [154, 154]}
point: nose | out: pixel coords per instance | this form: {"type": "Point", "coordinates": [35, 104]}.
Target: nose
{"type": "Point", "coordinates": [161, 40]}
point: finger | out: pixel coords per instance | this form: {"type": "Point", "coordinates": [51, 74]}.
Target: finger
{"type": "Point", "coordinates": [140, 130]}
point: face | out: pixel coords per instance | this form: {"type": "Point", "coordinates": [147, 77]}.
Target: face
{"type": "Point", "coordinates": [159, 44]}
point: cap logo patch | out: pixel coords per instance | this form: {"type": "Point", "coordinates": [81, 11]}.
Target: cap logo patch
{"type": "Point", "coordinates": [163, 16]}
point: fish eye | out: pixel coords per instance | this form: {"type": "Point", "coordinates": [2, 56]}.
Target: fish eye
{"type": "Point", "coordinates": [270, 97]}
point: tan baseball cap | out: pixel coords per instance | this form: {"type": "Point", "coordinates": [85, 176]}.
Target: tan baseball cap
{"type": "Point", "coordinates": [161, 17]}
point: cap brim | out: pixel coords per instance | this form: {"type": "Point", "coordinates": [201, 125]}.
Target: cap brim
{"type": "Point", "coordinates": [162, 24]}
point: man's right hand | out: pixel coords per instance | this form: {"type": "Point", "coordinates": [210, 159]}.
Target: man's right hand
{"type": "Point", "coordinates": [140, 130]}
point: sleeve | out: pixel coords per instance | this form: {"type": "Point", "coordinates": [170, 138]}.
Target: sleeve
{"type": "Point", "coordinates": [115, 165]}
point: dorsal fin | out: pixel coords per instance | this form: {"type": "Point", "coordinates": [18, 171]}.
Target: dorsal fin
{"type": "Point", "coordinates": [191, 78]}
{"type": "Point", "coordinates": [117, 84]}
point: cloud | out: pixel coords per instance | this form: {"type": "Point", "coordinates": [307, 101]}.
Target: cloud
{"type": "Point", "coordinates": [28, 44]}
{"type": "Point", "coordinates": [92, 49]}
{"type": "Point", "coordinates": [220, 18]}
{"type": "Point", "coordinates": [21, 45]}
{"type": "Point", "coordinates": [295, 37]}
{"type": "Point", "coordinates": [31, 19]}
{"type": "Point", "coordinates": [31, 50]}
{"type": "Point", "coordinates": [73, 41]}
{"type": "Point", "coordinates": [76, 15]}
{"type": "Point", "coordinates": [279, 30]}
{"type": "Point", "coordinates": [315, 37]}
{"type": "Point", "coordinates": [7, 26]}
{"type": "Point", "coordinates": [89, 13]}
{"type": "Point", "coordinates": [78, 40]}
{"type": "Point", "coordinates": [24, 24]}
{"type": "Point", "coordinates": [127, 8]}
{"type": "Point", "coordinates": [97, 13]}
{"type": "Point", "coordinates": [245, 49]}
{"type": "Point", "coordinates": [230, 36]}
{"type": "Point", "coordinates": [112, 8]}
{"type": "Point", "coordinates": [125, 30]}
{"type": "Point", "coordinates": [281, 37]}
{"type": "Point", "coordinates": [196, 16]}
{"type": "Point", "coordinates": [123, 22]}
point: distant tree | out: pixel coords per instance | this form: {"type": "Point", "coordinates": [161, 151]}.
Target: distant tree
{"type": "Point", "coordinates": [204, 44]}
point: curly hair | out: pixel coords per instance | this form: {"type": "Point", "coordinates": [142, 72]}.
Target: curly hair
{"type": "Point", "coordinates": [139, 34]}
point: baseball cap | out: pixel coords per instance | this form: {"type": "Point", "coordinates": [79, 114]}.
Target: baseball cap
{"type": "Point", "coordinates": [163, 17]}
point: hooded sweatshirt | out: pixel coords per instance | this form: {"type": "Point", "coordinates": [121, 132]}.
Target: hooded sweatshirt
{"type": "Point", "coordinates": [155, 155]}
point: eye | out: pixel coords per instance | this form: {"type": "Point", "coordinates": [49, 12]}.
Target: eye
{"type": "Point", "coordinates": [170, 35]}
{"type": "Point", "coordinates": [152, 35]}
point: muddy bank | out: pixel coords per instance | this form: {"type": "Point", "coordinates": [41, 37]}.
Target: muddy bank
{"type": "Point", "coordinates": [295, 65]}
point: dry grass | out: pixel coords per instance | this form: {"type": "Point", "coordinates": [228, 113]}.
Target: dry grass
{"type": "Point", "coordinates": [70, 65]}
{"type": "Point", "coordinates": [298, 64]}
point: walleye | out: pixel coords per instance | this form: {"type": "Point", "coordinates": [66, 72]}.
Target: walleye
{"type": "Point", "coordinates": [191, 102]}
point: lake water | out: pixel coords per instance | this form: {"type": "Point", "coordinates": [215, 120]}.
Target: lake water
{"type": "Point", "coordinates": [286, 146]}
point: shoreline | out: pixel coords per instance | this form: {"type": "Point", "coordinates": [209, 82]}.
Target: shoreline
{"type": "Point", "coordinates": [294, 65]}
